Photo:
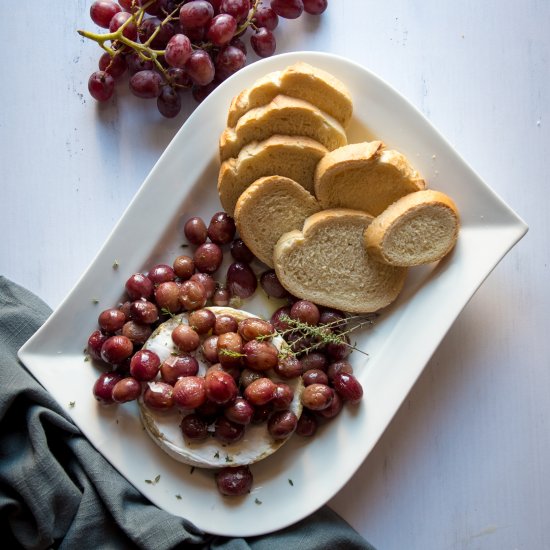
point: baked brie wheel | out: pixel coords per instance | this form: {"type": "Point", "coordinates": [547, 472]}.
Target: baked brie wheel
{"type": "Point", "coordinates": [163, 426]}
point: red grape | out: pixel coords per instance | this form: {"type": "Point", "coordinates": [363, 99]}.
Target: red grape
{"type": "Point", "coordinates": [195, 14]}
{"type": "Point", "coordinates": [178, 51]}
{"type": "Point", "coordinates": [119, 19]}
{"type": "Point", "coordinates": [208, 257]}
{"type": "Point", "coordinates": [126, 390]}
{"type": "Point", "coordinates": [103, 387]}
{"type": "Point", "coordinates": [236, 481]}
{"type": "Point", "coordinates": [207, 281]}
{"type": "Point", "coordinates": [146, 84]}
{"type": "Point", "coordinates": [185, 338]}
{"type": "Point", "coordinates": [221, 229]}
{"type": "Point", "coordinates": [315, 7]}
{"type": "Point", "coordinates": [144, 312]}
{"type": "Point", "coordinates": [195, 230]}
{"type": "Point", "coordinates": [263, 42]}
{"type": "Point", "coordinates": [177, 366]}
{"type": "Point", "coordinates": [202, 320]}
{"type": "Point", "coordinates": [192, 295]}
{"type": "Point", "coordinates": [115, 66]}
{"type": "Point", "coordinates": [253, 328]}
{"type": "Point", "coordinates": [102, 11]}
{"type": "Point", "coordinates": [111, 320]}
{"type": "Point", "coordinates": [101, 85]}
{"type": "Point", "coordinates": [282, 424]}
{"type": "Point", "coordinates": [237, 8]}
{"type": "Point", "coordinates": [167, 296]}
{"type": "Point", "coordinates": [136, 332]}
{"type": "Point", "coordinates": [227, 431]}
{"type": "Point", "coordinates": [289, 9]}
{"type": "Point", "coordinates": [190, 392]}
{"type": "Point", "coordinates": [158, 395]}
{"type": "Point", "coordinates": [266, 17]}
{"type": "Point", "coordinates": [348, 387]}
{"type": "Point", "coordinates": [163, 36]}
{"type": "Point", "coordinates": [240, 411]}
{"type": "Point", "coordinates": [305, 311]}
{"type": "Point", "coordinates": [220, 387]}
{"type": "Point", "coordinates": [161, 273]}
{"type": "Point", "coordinates": [184, 267]}
{"type": "Point", "coordinates": [241, 280]}
{"type": "Point", "coordinates": [139, 286]}
{"type": "Point", "coordinates": [144, 365]}
{"type": "Point", "coordinates": [260, 391]}
{"type": "Point", "coordinates": [169, 102]}
{"type": "Point", "coordinates": [116, 349]}
{"type": "Point", "coordinates": [229, 60]}
{"type": "Point", "coordinates": [221, 29]}
{"type": "Point", "coordinates": [271, 284]}
{"type": "Point", "coordinates": [95, 341]}
{"type": "Point", "coordinates": [225, 323]}
{"type": "Point", "coordinates": [200, 68]}
{"type": "Point", "coordinates": [194, 427]}
{"type": "Point", "coordinates": [136, 63]}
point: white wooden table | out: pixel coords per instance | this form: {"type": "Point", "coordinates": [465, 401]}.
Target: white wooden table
{"type": "Point", "coordinates": [465, 464]}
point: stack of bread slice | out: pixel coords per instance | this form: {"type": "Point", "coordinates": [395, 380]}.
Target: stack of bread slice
{"type": "Point", "coordinates": [340, 223]}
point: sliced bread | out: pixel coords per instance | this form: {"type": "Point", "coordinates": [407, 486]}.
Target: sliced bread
{"type": "Point", "coordinates": [293, 157]}
{"type": "Point", "coordinates": [364, 176]}
{"type": "Point", "coordinates": [419, 228]}
{"type": "Point", "coordinates": [283, 115]}
{"type": "Point", "coordinates": [270, 207]}
{"type": "Point", "coordinates": [302, 81]}
{"type": "Point", "coordinates": [326, 262]}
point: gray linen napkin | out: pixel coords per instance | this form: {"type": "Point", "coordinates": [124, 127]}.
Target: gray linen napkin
{"type": "Point", "coordinates": [57, 491]}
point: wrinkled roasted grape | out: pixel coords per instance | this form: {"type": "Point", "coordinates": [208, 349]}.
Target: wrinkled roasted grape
{"type": "Point", "coordinates": [127, 389]}
{"type": "Point", "coordinates": [307, 424]}
{"type": "Point", "coordinates": [266, 17]}
{"type": "Point", "coordinates": [210, 349]}
{"type": "Point", "coordinates": [241, 252]}
{"type": "Point", "coordinates": [192, 295]}
{"type": "Point", "coordinates": [144, 312]}
{"type": "Point", "coordinates": [111, 320]}
{"type": "Point", "coordinates": [95, 342]}
{"type": "Point", "coordinates": [282, 424]}
{"type": "Point", "coordinates": [158, 395]}
{"type": "Point", "coordinates": [195, 14]}
{"type": "Point", "coordinates": [207, 281]}
{"type": "Point", "coordinates": [334, 408]}
{"type": "Point", "coordinates": [102, 11]}
{"type": "Point", "coordinates": [337, 352]}
{"type": "Point", "coordinates": [283, 395]}
{"type": "Point", "coordinates": [263, 42]}
{"type": "Point", "coordinates": [271, 284]}
{"type": "Point", "coordinates": [184, 267]}
{"type": "Point", "coordinates": [178, 50]}
{"type": "Point", "coordinates": [227, 431]}
{"type": "Point", "coordinates": [288, 367]}
{"type": "Point", "coordinates": [161, 273]}
{"type": "Point", "coordinates": [236, 481]}
{"type": "Point", "coordinates": [237, 8]}
{"type": "Point", "coordinates": [305, 311]}
{"type": "Point", "coordinates": [178, 366]}
{"type": "Point", "coordinates": [277, 319]}
{"type": "Point", "coordinates": [195, 230]}
{"type": "Point", "coordinates": [221, 297]}
{"type": "Point", "coordinates": [194, 427]}
{"type": "Point", "coordinates": [189, 392]}
{"type": "Point", "coordinates": [317, 397]}
{"type": "Point", "coordinates": [252, 328]}
{"type": "Point", "coordinates": [136, 332]}
{"type": "Point", "coordinates": [101, 85]}
{"type": "Point", "coordinates": [260, 356]}
{"type": "Point", "coordinates": [167, 296]}
{"type": "Point", "coordinates": [185, 338]}
{"type": "Point", "coordinates": [241, 280]}
{"type": "Point", "coordinates": [146, 84]}
{"type": "Point", "coordinates": [315, 7]}
{"type": "Point", "coordinates": [103, 387]}
{"type": "Point", "coordinates": [221, 229]}
{"type": "Point", "coordinates": [230, 348]}
{"type": "Point", "coordinates": [144, 365]}
{"type": "Point", "coordinates": [130, 30]}
{"type": "Point", "coordinates": [260, 391]}
{"type": "Point", "coordinates": [116, 349]}
{"type": "Point", "coordinates": [202, 320]}
{"type": "Point", "coordinates": [240, 411]}
{"type": "Point", "coordinates": [348, 387]}
{"type": "Point", "coordinates": [208, 257]}
{"type": "Point", "coordinates": [225, 323]}
{"type": "Point", "coordinates": [221, 29]}
{"type": "Point", "coordinates": [289, 9]}
{"type": "Point", "coordinates": [342, 366]}
{"type": "Point", "coordinates": [229, 60]}
{"type": "Point", "coordinates": [314, 360]}
{"type": "Point", "coordinates": [220, 387]}
{"type": "Point", "coordinates": [248, 376]}
{"type": "Point", "coordinates": [200, 68]}
{"type": "Point", "coordinates": [139, 286]}
{"type": "Point", "coordinates": [314, 376]}
{"type": "Point", "coordinates": [116, 66]}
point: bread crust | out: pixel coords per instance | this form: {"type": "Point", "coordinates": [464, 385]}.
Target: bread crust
{"type": "Point", "coordinates": [301, 81]}
{"type": "Point", "coordinates": [365, 176]}
{"type": "Point", "coordinates": [392, 239]}
{"type": "Point", "coordinates": [327, 263]}
{"type": "Point", "coordinates": [294, 157]}
{"type": "Point", "coordinates": [271, 206]}
{"type": "Point", "coordinates": [286, 116]}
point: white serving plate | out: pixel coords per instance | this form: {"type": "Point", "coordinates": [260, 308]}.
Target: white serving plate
{"type": "Point", "coordinates": [304, 474]}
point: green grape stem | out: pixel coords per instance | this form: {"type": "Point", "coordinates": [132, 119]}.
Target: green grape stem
{"type": "Point", "coordinates": [145, 52]}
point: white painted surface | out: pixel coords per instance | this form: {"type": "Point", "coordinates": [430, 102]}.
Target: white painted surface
{"type": "Point", "coordinates": [465, 463]}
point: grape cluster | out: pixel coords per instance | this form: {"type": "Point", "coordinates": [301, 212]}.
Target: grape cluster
{"type": "Point", "coordinates": [169, 46]}
{"type": "Point", "coordinates": [236, 389]}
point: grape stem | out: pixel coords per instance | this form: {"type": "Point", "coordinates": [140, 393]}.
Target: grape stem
{"type": "Point", "coordinates": [144, 50]}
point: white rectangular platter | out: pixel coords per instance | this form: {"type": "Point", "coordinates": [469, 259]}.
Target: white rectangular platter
{"type": "Point", "coordinates": [304, 474]}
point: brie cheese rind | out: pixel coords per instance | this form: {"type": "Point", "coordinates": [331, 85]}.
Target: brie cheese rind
{"type": "Point", "coordinates": [164, 426]}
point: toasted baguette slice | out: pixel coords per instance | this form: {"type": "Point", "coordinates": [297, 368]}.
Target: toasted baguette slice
{"type": "Point", "coordinates": [419, 228]}
{"type": "Point", "coordinates": [364, 176]}
{"type": "Point", "coordinates": [328, 264]}
{"type": "Point", "coordinates": [283, 115]}
{"type": "Point", "coordinates": [292, 157]}
{"type": "Point", "coordinates": [301, 81]}
{"type": "Point", "coordinates": [270, 207]}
